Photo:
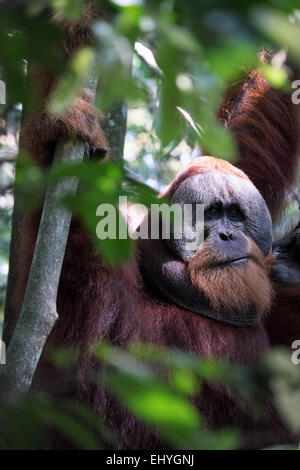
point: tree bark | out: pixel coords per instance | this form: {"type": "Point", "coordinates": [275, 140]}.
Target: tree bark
{"type": "Point", "coordinates": [10, 316]}
{"type": "Point", "coordinates": [114, 128]}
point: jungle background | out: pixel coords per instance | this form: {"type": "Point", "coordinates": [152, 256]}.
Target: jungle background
{"type": "Point", "coordinates": [163, 65]}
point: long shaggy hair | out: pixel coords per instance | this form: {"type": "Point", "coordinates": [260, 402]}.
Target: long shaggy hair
{"type": "Point", "coordinates": [104, 303]}
{"type": "Point", "coordinates": [265, 124]}
{"type": "Point", "coordinates": [232, 287]}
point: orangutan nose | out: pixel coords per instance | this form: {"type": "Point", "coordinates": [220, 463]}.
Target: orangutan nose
{"type": "Point", "coordinates": [226, 236]}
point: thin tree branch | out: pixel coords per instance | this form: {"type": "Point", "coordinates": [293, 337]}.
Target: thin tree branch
{"type": "Point", "coordinates": [114, 128]}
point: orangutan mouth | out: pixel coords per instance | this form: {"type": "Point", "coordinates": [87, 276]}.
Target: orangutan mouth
{"type": "Point", "coordinates": [235, 261]}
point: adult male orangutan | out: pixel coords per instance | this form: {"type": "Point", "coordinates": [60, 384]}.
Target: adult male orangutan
{"type": "Point", "coordinates": [215, 300]}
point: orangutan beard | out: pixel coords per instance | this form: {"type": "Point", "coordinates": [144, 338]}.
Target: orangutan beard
{"type": "Point", "coordinates": [233, 287]}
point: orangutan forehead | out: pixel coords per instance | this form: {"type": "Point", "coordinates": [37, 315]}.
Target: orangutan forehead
{"type": "Point", "coordinates": [211, 187]}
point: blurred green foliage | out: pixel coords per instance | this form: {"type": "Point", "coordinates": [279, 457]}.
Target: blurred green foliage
{"type": "Point", "coordinates": [171, 62]}
{"type": "Point", "coordinates": [157, 385]}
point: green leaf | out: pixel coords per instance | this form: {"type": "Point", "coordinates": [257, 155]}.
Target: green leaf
{"type": "Point", "coordinates": [70, 427]}
{"type": "Point", "coordinates": [280, 29]}
{"type": "Point", "coordinates": [113, 249]}
{"type": "Point", "coordinates": [68, 9]}
{"type": "Point", "coordinates": [184, 381]}
{"type": "Point", "coordinates": [229, 60]}
{"type": "Point", "coordinates": [219, 142]}
{"type": "Point", "coordinates": [70, 84]}
{"type": "Point", "coordinates": [285, 384]}
{"type": "Point", "coordinates": [178, 37]}
{"type": "Point", "coordinates": [277, 77]}
{"type": "Point", "coordinates": [167, 119]}
{"type": "Point", "coordinates": [150, 399]}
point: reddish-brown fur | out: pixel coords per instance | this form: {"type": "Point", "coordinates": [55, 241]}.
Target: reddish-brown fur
{"type": "Point", "coordinates": [96, 302]}
{"type": "Point", "coordinates": [232, 287]}
{"type": "Point", "coordinates": [112, 304]}
{"type": "Point", "coordinates": [283, 325]}
{"type": "Point", "coordinates": [265, 125]}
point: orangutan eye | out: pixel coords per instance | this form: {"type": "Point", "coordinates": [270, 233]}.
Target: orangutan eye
{"type": "Point", "coordinates": [234, 212]}
{"type": "Point", "coordinates": [213, 212]}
